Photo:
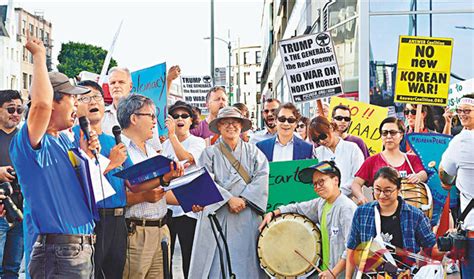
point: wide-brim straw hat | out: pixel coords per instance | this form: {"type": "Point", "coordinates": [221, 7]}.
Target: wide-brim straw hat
{"type": "Point", "coordinates": [230, 112]}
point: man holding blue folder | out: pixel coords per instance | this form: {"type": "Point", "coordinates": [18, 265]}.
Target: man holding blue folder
{"type": "Point", "coordinates": [61, 214]}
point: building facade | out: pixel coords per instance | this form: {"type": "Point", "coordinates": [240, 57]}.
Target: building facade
{"type": "Point", "coordinates": [246, 79]}
{"type": "Point", "coordinates": [10, 56]}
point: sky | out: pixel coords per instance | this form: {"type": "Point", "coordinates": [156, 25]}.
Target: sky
{"type": "Point", "coordinates": [154, 31]}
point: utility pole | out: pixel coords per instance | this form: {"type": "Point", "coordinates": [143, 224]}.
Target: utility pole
{"type": "Point", "coordinates": [212, 42]}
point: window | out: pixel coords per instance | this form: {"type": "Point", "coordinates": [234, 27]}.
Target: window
{"type": "Point", "coordinates": [25, 54]}
{"type": "Point", "coordinates": [258, 78]}
{"type": "Point", "coordinates": [30, 79]}
{"type": "Point", "coordinates": [32, 29]}
{"type": "Point", "coordinates": [23, 28]}
{"type": "Point", "coordinates": [42, 35]}
{"type": "Point", "coordinates": [258, 57]}
{"type": "Point", "coordinates": [245, 77]}
{"type": "Point", "coordinates": [25, 81]}
{"type": "Point", "coordinates": [246, 57]}
{"type": "Point", "coordinates": [237, 59]}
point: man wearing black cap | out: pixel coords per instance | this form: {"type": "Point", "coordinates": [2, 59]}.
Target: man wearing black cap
{"type": "Point", "coordinates": [332, 211]}
{"type": "Point", "coordinates": [61, 210]}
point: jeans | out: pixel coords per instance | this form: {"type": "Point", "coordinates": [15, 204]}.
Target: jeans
{"type": "Point", "coordinates": [61, 261]}
{"type": "Point", "coordinates": [11, 249]}
{"type": "Point", "coordinates": [467, 266]}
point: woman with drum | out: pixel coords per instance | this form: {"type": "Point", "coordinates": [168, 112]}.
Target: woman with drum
{"type": "Point", "coordinates": [226, 232]}
{"type": "Point", "coordinates": [332, 211]}
{"type": "Point", "coordinates": [286, 146]}
{"type": "Point", "coordinates": [390, 219]}
{"type": "Point", "coordinates": [346, 154]}
{"type": "Point", "coordinates": [408, 165]}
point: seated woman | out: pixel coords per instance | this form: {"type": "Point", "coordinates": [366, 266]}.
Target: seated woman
{"type": "Point", "coordinates": [285, 146]}
{"type": "Point", "coordinates": [346, 154]}
{"type": "Point", "coordinates": [402, 225]}
{"type": "Point", "coordinates": [332, 211]}
{"type": "Point", "coordinates": [408, 165]}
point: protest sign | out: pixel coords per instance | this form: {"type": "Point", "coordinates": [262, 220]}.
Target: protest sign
{"type": "Point", "coordinates": [429, 148]}
{"type": "Point", "coordinates": [285, 186]}
{"type": "Point", "coordinates": [423, 70]}
{"type": "Point", "coordinates": [151, 82]}
{"type": "Point", "coordinates": [311, 67]}
{"type": "Point", "coordinates": [195, 89]}
{"type": "Point", "coordinates": [365, 121]}
{"type": "Point", "coordinates": [457, 90]}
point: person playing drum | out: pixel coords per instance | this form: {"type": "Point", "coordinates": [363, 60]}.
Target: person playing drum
{"type": "Point", "coordinates": [332, 211]}
{"type": "Point", "coordinates": [409, 165]}
{"type": "Point", "coordinates": [401, 225]}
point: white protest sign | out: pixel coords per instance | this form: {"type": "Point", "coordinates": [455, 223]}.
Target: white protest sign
{"type": "Point", "coordinates": [311, 67]}
{"type": "Point", "coordinates": [457, 90]}
{"type": "Point", "coordinates": [195, 89]}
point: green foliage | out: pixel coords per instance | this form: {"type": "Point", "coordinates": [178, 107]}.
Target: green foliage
{"type": "Point", "coordinates": [77, 57]}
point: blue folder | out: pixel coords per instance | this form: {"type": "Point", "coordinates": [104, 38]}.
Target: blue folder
{"type": "Point", "coordinates": [199, 190]}
{"type": "Point", "coordinates": [146, 170]}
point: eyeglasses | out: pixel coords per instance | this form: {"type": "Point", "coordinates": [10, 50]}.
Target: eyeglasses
{"type": "Point", "coordinates": [19, 110]}
{"type": "Point", "coordinates": [227, 123]}
{"type": "Point", "coordinates": [386, 192]}
{"type": "Point", "coordinates": [301, 126]}
{"type": "Point", "coordinates": [319, 182]}
{"type": "Point", "coordinates": [340, 118]}
{"type": "Point", "coordinates": [320, 137]}
{"type": "Point", "coordinates": [88, 99]}
{"type": "Point", "coordinates": [183, 116]}
{"type": "Point", "coordinates": [410, 111]}
{"type": "Point", "coordinates": [391, 132]}
{"type": "Point", "coordinates": [152, 115]}
{"type": "Point", "coordinates": [465, 111]}
{"type": "Point", "coordinates": [283, 119]}
{"type": "Point", "coordinates": [266, 111]}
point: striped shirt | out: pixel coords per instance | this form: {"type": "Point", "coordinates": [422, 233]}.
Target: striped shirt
{"type": "Point", "coordinates": [144, 210]}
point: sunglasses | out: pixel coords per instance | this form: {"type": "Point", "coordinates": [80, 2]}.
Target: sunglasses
{"type": "Point", "coordinates": [340, 118]}
{"type": "Point", "coordinates": [465, 111]}
{"type": "Point", "coordinates": [410, 111]}
{"type": "Point", "coordinates": [183, 116]}
{"type": "Point", "coordinates": [301, 126]}
{"type": "Point", "coordinates": [283, 119]}
{"type": "Point", "coordinates": [11, 110]}
{"type": "Point", "coordinates": [266, 111]}
{"type": "Point", "coordinates": [319, 138]}
{"type": "Point", "coordinates": [391, 132]}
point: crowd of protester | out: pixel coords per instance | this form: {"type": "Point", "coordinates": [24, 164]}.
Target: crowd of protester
{"type": "Point", "coordinates": [67, 235]}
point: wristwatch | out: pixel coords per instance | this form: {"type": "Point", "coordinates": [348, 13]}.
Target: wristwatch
{"type": "Point", "coordinates": [162, 181]}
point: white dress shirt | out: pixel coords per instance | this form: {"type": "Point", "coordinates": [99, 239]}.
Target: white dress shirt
{"type": "Point", "coordinates": [283, 152]}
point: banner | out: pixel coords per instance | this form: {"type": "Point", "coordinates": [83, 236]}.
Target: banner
{"type": "Point", "coordinates": [429, 148]}
{"type": "Point", "coordinates": [423, 70]}
{"type": "Point", "coordinates": [195, 89]}
{"type": "Point", "coordinates": [365, 121]}
{"type": "Point", "coordinates": [151, 82]}
{"type": "Point", "coordinates": [285, 186]}
{"type": "Point", "coordinates": [310, 66]}
{"type": "Point", "coordinates": [457, 90]}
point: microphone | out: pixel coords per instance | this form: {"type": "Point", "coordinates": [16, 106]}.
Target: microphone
{"type": "Point", "coordinates": [85, 127]}
{"type": "Point", "coordinates": [116, 130]}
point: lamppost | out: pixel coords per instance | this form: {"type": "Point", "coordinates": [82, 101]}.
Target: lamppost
{"type": "Point", "coordinates": [229, 47]}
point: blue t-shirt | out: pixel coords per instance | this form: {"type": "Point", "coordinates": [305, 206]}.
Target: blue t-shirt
{"type": "Point", "coordinates": [58, 202]}
{"type": "Point", "coordinates": [107, 142]}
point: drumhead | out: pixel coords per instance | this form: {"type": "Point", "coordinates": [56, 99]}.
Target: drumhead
{"type": "Point", "coordinates": [279, 240]}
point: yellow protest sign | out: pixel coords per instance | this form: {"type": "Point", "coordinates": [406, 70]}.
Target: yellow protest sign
{"type": "Point", "coordinates": [365, 121]}
{"type": "Point", "coordinates": [423, 70]}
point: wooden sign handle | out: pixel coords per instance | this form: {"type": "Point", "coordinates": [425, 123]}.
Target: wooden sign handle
{"type": "Point", "coordinates": [418, 118]}
{"type": "Point", "coordinates": [319, 103]}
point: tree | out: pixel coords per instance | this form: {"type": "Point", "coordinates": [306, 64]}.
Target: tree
{"type": "Point", "coordinates": [77, 57]}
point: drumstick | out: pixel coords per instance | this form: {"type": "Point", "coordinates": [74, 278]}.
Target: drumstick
{"type": "Point", "coordinates": [313, 265]}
